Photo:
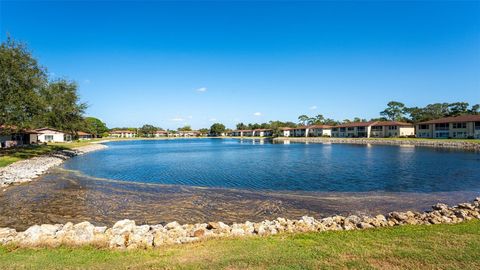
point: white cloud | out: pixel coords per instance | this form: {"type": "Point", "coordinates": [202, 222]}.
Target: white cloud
{"type": "Point", "coordinates": [257, 114]}
{"type": "Point", "coordinates": [314, 107]}
{"type": "Point", "coordinates": [177, 119]}
{"type": "Point", "coordinates": [190, 117]}
{"type": "Point", "coordinates": [202, 89]}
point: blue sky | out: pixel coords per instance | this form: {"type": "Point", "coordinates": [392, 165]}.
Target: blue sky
{"type": "Point", "coordinates": [176, 63]}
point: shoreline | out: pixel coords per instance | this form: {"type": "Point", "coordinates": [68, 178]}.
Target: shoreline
{"type": "Point", "coordinates": [29, 169]}
{"type": "Point", "coordinates": [125, 234]}
{"type": "Point", "coordinates": [463, 145]}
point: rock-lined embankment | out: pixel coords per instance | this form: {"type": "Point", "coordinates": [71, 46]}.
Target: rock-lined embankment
{"type": "Point", "coordinates": [414, 142]}
{"type": "Point", "coordinates": [126, 234]}
{"type": "Point", "coordinates": [29, 169]}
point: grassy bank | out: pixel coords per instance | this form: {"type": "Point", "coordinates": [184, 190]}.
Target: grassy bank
{"type": "Point", "coordinates": [11, 155]}
{"type": "Point", "coordinates": [408, 247]}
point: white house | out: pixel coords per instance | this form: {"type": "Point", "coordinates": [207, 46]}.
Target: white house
{"type": "Point", "coordinates": [52, 135]}
{"type": "Point", "coordinates": [320, 131]}
{"type": "Point", "coordinates": [122, 134]}
{"type": "Point", "coordinates": [84, 136]}
{"type": "Point", "coordinates": [262, 132]}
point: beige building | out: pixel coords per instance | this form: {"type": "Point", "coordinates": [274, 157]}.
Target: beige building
{"type": "Point", "coordinates": [84, 136]}
{"type": "Point", "coordinates": [464, 126]}
{"type": "Point", "coordinates": [320, 131]}
{"type": "Point", "coordinates": [377, 129]}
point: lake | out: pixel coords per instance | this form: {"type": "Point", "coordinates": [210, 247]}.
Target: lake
{"type": "Point", "coordinates": [261, 165]}
{"type": "Point", "coordinates": [233, 180]}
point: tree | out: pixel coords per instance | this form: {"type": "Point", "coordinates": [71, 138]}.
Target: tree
{"type": "Point", "coordinates": [475, 109]}
{"type": "Point", "coordinates": [303, 119]}
{"type": "Point", "coordinates": [21, 79]}
{"type": "Point", "coordinates": [217, 129]}
{"type": "Point", "coordinates": [204, 130]}
{"type": "Point", "coordinates": [241, 126]}
{"type": "Point", "coordinates": [95, 126]}
{"type": "Point", "coordinates": [147, 130]}
{"type": "Point", "coordinates": [395, 111]}
{"type": "Point", "coordinates": [185, 128]}
{"type": "Point", "coordinates": [62, 108]}
{"type": "Point", "coordinates": [457, 108]}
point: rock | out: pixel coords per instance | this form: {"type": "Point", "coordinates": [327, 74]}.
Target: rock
{"type": "Point", "coordinates": [199, 233]}
{"type": "Point", "coordinates": [7, 235]}
{"type": "Point", "coordinates": [466, 206]}
{"type": "Point", "coordinates": [172, 225]}
{"type": "Point", "coordinates": [440, 206]}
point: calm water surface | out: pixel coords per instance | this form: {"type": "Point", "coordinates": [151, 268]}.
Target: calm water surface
{"type": "Point", "coordinates": [260, 165]}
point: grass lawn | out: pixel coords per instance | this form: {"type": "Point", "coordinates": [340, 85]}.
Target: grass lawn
{"type": "Point", "coordinates": [11, 155]}
{"type": "Point", "coordinates": [407, 247]}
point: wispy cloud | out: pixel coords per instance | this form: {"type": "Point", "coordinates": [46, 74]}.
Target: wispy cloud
{"type": "Point", "coordinates": [212, 119]}
{"type": "Point", "coordinates": [177, 119]}
{"type": "Point", "coordinates": [314, 107]}
{"type": "Point", "coordinates": [257, 114]}
{"type": "Point", "coordinates": [202, 89]}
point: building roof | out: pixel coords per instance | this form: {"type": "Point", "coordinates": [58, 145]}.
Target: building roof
{"type": "Point", "coordinates": [374, 123]}
{"type": "Point", "coordinates": [121, 131]}
{"type": "Point", "coordinates": [14, 129]}
{"type": "Point", "coordinates": [392, 123]}
{"type": "Point", "coordinates": [161, 132]}
{"type": "Point", "coordinates": [286, 128]}
{"type": "Point", "coordinates": [320, 126]}
{"type": "Point", "coordinates": [454, 119]}
{"type": "Point", "coordinates": [243, 130]}
{"type": "Point", "coordinates": [81, 133]}
{"type": "Point", "coordinates": [51, 129]}
{"type": "Point", "coordinates": [263, 129]}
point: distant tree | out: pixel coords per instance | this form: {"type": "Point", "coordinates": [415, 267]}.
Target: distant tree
{"type": "Point", "coordinates": [357, 119]}
{"type": "Point", "coordinates": [346, 121]}
{"type": "Point", "coordinates": [303, 119]}
{"type": "Point", "coordinates": [147, 130]}
{"type": "Point", "coordinates": [457, 108]}
{"type": "Point", "coordinates": [204, 130]}
{"type": "Point", "coordinates": [185, 128]}
{"type": "Point", "coordinates": [475, 109]}
{"type": "Point", "coordinates": [21, 79]}
{"type": "Point", "coordinates": [95, 126]}
{"type": "Point", "coordinates": [241, 126]}
{"type": "Point", "coordinates": [395, 111]}
{"type": "Point", "coordinates": [217, 129]}
{"type": "Point", "coordinates": [62, 108]}
{"type": "Point", "coordinates": [330, 122]}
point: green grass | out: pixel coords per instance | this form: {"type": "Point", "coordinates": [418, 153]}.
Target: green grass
{"type": "Point", "coordinates": [11, 155]}
{"type": "Point", "coordinates": [407, 247]}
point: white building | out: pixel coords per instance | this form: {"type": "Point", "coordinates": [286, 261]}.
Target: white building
{"type": "Point", "coordinates": [122, 134]}
{"type": "Point", "coordinates": [52, 135]}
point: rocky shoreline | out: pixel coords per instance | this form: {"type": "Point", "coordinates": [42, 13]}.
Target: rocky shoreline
{"type": "Point", "coordinates": [29, 169]}
{"type": "Point", "coordinates": [408, 142]}
{"type": "Point", "coordinates": [125, 234]}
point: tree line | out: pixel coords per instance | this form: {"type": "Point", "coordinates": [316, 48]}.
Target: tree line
{"type": "Point", "coordinates": [29, 99]}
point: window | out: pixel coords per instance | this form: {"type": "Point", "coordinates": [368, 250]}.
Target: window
{"type": "Point", "coordinates": [334, 129]}
{"type": "Point", "coordinates": [342, 129]}
{"type": "Point", "coordinates": [443, 126]}
{"type": "Point", "coordinates": [377, 128]}
{"type": "Point", "coordinates": [422, 126]}
{"type": "Point", "coordinates": [360, 128]}
{"type": "Point", "coordinates": [460, 134]}
{"type": "Point", "coordinates": [477, 125]}
{"type": "Point", "coordinates": [392, 127]}
{"type": "Point", "coordinates": [48, 138]}
{"type": "Point", "coordinates": [351, 129]}
{"type": "Point", "coordinates": [460, 125]}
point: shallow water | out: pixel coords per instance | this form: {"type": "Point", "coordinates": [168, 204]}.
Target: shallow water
{"type": "Point", "coordinates": [233, 181]}
{"type": "Point", "coordinates": [260, 165]}
{"type": "Point", "coordinates": [62, 196]}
